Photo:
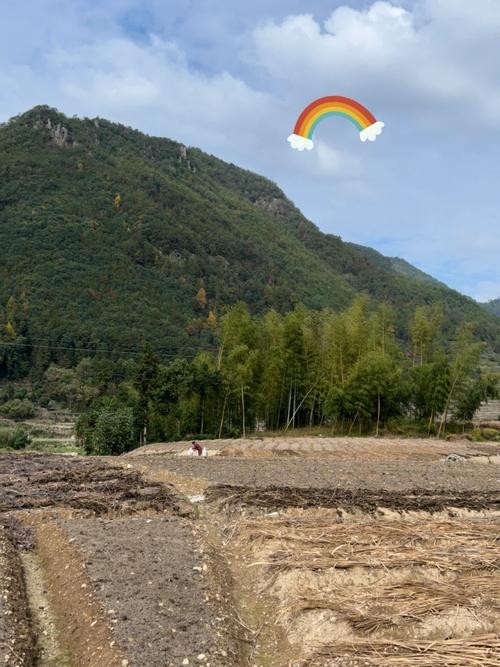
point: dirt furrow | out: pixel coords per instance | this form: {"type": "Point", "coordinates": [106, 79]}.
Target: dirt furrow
{"type": "Point", "coordinates": [18, 646]}
{"type": "Point", "coordinates": [49, 653]}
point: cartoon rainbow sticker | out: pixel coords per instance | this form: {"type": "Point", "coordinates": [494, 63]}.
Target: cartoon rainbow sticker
{"type": "Point", "coordinates": [334, 105]}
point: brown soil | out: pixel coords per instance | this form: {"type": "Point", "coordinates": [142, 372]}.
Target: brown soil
{"type": "Point", "coordinates": [327, 474]}
{"type": "Point", "coordinates": [338, 448]}
{"type": "Point", "coordinates": [133, 574]}
{"type": "Point", "coordinates": [17, 640]}
{"type": "Point", "coordinates": [34, 481]}
{"type": "Point", "coordinates": [367, 500]}
{"type": "Point", "coordinates": [117, 575]}
{"type": "Point", "coordinates": [316, 589]}
{"type": "Point", "coordinates": [83, 634]}
{"type": "Point", "coordinates": [151, 581]}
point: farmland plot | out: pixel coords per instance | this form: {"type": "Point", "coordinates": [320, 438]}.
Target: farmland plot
{"type": "Point", "coordinates": [272, 560]}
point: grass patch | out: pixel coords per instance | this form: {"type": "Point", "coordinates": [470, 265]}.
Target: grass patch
{"type": "Point", "coordinates": [55, 446]}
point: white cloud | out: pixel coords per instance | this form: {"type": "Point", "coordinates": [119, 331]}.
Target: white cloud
{"type": "Point", "coordinates": [436, 64]}
{"type": "Point", "coordinates": [119, 76]}
{"type": "Point", "coordinates": [439, 60]}
{"type": "Point", "coordinates": [332, 162]}
{"type": "Point", "coordinates": [148, 85]}
{"type": "Point", "coordinates": [486, 291]}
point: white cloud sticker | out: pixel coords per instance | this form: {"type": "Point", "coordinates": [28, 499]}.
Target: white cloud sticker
{"type": "Point", "coordinates": [300, 143]}
{"type": "Point", "coordinates": [371, 132]}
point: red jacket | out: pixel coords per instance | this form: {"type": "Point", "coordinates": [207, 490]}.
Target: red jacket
{"type": "Point", "coordinates": [197, 448]}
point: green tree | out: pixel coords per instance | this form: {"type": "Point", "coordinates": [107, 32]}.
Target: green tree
{"type": "Point", "coordinates": [238, 358]}
{"type": "Point", "coordinates": [109, 430]}
{"type": "Point", "coordinates": [18, 409]}
{"type": "Point", "coordinates": [473, 393]}
{"type": "Point", "coordinates": [376, 388]}
{"type": "Point", "coordinates": [272, 369]}
{"type": "Point", "coordinates": [172, 398]}
{"type": "Point", "coordinates": [425, 332]}
{"type": "Point", "coordinates": [14, 439]}
{"type": "Point", "coordinates": [206, 385]}
{"type": "Point", "coordinates": [466, 352]}
{"type": "Point", "coordinates": [295, 361]}
{"type": "Point", "coordinates": [383, 330]}
{"type": "Point", "coordinates": [429, 388]}
{"type": "Point", "coordinates": [146, 384]}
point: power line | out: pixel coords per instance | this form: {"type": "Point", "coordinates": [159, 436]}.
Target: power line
{"type": "Point", "coordinates": [107, 350]}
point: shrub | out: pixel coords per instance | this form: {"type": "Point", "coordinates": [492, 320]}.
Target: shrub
{"type": "Point", "coordinates": [17, 409]}
{"type": "Point", "coordinates": [20, 393]}
{"type": "Point", "coordinates": [14, 439]}
{"type": "Point", "coordinates": [479, 434]}
{"type": "Point", "coordinates": [108, 430]}
{"type": "Point", "coordinates": [4, 436]}
{"type": "Point", "coordinates": [490, 434]}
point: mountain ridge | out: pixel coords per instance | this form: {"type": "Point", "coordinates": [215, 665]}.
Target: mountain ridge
{"type": "Point", "coordinates": [114, 239]}
{"type": "Point", "coordinates": [492, 306]}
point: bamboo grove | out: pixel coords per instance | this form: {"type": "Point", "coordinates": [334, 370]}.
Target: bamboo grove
{"type": "Point", "coordinates": [345, 372]}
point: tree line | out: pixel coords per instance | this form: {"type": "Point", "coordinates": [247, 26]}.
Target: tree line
{"type": "Point", "coordinates": [343, 371]}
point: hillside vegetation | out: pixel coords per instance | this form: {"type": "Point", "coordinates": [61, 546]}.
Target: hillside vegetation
{"type": "Point", "coordinates": [110, 239]}
{"type": "Point", "coordinates": [493, 306]}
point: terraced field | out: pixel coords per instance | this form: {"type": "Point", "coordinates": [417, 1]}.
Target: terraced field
{"type": "Point", "coordinates": [273, 553]}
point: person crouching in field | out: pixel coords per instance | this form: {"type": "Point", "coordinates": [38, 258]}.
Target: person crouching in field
{"type": "Point", "coordinates": [196, 447]}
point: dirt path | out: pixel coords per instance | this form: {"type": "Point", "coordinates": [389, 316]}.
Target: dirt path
{"type": "Point", "coordinates": [49, 653]}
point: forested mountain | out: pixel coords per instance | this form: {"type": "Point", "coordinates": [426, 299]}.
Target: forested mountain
{"type": "Point", "coordinates": [110, 239]}
{"type": "Point", "coordinates": [493, 306]}
{"type": "Point", "coordinates": [396, 265]}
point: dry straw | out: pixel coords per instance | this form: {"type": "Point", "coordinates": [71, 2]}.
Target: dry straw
{"type": "Point", "coordinates": [370, 609]}
{"type": "Point", "coordinates": [444, 545]}
{"type": "Point", "coordinates": [481, 651]}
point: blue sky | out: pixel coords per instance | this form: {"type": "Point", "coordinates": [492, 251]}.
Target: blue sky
{"type": "Point", "coordinates": [231, 78]}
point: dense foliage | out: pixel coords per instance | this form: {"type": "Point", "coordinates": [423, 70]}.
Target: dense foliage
{"type": "Point", "coordinates": [343, 371]}
{"type": "Point", "coordinates": [110, 240]}
{"type": "Point", "coordinates": [17, 409]}
{"type": "Point", "coordinates": [108, 429]}
{"type": "Point", "coordinates": [15, 439]}
{"type": "Point", "coordinates": [493, 306]}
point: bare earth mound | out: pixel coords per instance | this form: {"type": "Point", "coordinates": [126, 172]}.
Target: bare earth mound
{"type": "Point", "coordinates": [339, 448]}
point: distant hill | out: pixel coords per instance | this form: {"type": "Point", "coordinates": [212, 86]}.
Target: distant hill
{"type": "Point", "coordinates": [110, 238]}
{"type": "Point", "coordinates": [406, 269]}
{"type": "Point", "coordinates": [493, 306]}
{"type": "Point", "coordinates": [396, 265]}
